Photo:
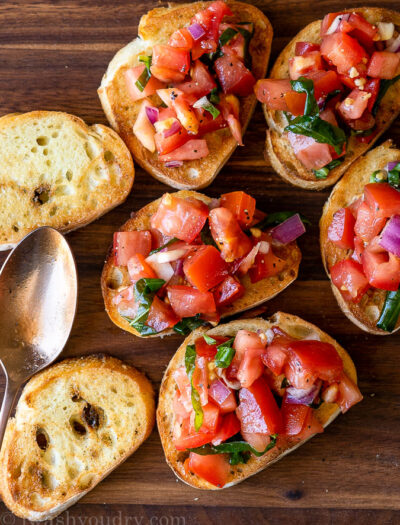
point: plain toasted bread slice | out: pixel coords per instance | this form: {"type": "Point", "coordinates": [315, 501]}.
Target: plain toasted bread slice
{"type": "Point", "coordinates": [366, 313]}
{"type": "Point", "coordinates": [278, 148]}
{"type": "Point", "coordinates": [326, 413]}
{"type": "Point", "coordinates": [57, 171]}
{"type": "Point", "coordinates": [156, 27]}
{"type": "Point", "coordinates": [75, 422]}
{"type": "Point", "coordinates": [113, 279]}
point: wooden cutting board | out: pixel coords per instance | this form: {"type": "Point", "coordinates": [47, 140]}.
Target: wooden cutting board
{"type": "Point", "coordinates": [53, 55]}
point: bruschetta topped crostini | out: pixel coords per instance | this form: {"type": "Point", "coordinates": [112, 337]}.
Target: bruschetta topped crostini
{"type": "Point", "coordinates": [186, 259]}
{"type": "Point", "coordinates": [333, 90]}
{"type": "Point", "coordinates": [360, 240]}
{"type": "Point", "coordinates": [181, 94]}
{"type": "Point", "coordinates": [237, 398]}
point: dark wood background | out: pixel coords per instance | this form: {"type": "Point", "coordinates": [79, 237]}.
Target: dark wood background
{"type": "Point", "coordinates": [52, 56]}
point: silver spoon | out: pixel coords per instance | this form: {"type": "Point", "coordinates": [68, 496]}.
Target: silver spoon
{"type": "Point", "coordinates": [38, 294]}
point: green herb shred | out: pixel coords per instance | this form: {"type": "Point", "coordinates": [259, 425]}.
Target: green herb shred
{"type": "Point", "coordinates": [225, 353]}
{"type": "Point", "coordinates": [190, 365]}
{"type": "Point", "coordinates": [145, 290]}
{"type": "Point", "coordinates": [390, 312]}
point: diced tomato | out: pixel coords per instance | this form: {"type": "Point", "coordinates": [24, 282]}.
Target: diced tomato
{"type": "Point", "coordinates": [166, 75]}
{"type": "Point", "coordinates": [191, 150]}
{"type": "Point", "coordinates": [266, 265]}
{"type": "Point", "coordinates": [214, 468]}
{"type": "Point", "coordinates": [201, 82]}
{"type": "Point", "coordinates": [342, 51]}
{"type": "Point", "coordinates": [251, 367]}
{"type": "Point", "coordinates": [341, 229]}
{"type": "Point", "coordinates": [297, 376]}
{"type": "Point", "coordinates": [349, 393]}
{"type": "Point", "coordinates": [228, 291]}
{"type": "Point", "coordinates": [354, 105]}
{"type": "Point", "coordinates": [204, 268]}
{"type": "Point", "coordinates": [302, 48]}
{"type": "Point", "coordinates": [138, 268]}
{"type": "Point", "coordinates": [355, 205]}
{"type": "Point", "coordinates": [184, 387]}
{"type": "Point", "coordinates": [241, 205]}
{"type": "Point", "coordinates": [126, 302]}
{"type": "Point", "coordinates": [295, 102]}
{"type": "Point", "coordinates": [382, 198]}
{"type": "Point", "coordinates": [372, 86]}
{"type": "Point", "coordinates": [166, 145]}
{"type": "Point", "coordinates": [314, 155]}
{"type": "Point", "coordinates": [193, 440]}
{"type": "Point", "coordinates": [228, 427]}
{"type": "Point", "coordinates": [383, 64]}
{"type": "Point", "coordinates": [208, 123]}
{"type": "Point", "coordinates": [271, 92]}
{"type": "Point", "coordinates": [348, 277]}
{"type": "Point", "coordinates": [170, 57]}
{"type": "Point", "coordinates": [211, 418]}
{"type": "Point", "coordinates": [258, 411]}
{"type": "Point", "coordinates": [324, 82]}
{"type": "Point", "coordinates": [200, 383]}
{"type": "Point", "coordinates": [311, 426]}
{"type": "Point", "coordinates": [211, 18]}
{"type": "Point", "coordinates": [327, 22]}
{"type": "Point", "coordinates": [368, 225]}
{"type": "Point", "coordinates": [161, 316]}
{"type": "Point", "coordinates": [131, 76]}
{"type": "Point", "coordinates": [143, 128]}
{"type": "Point", "coordinates": [362, 30]}
{"type": "Point", "coordinates": [300, 65]}
{"type": "Point", "coordinates": [358, 249]}
{"type": "Point", "coordinates": [365, 122]}
{"type": "Point", "coordinates": [381, 268]}
{"type": "Point", "coordinates": [127, 244]}
{"type": "Point", "coordinates": [203, 349]}
{"type": "Point", "coordinates": [276, 354]}
{"type": "Point", "coordinates": [222, 396]}
{"type": "Point", "coordinates": [234, 76]}
{"type": "Point", "coordinates": [293, 417]}
{"type": "Point", "coordinates": [181, 218]}
{"type": "Point", "coordinates": [228, 235]}
{"type": "Point", "coordinates": [203, 46]}
{"type": "Point", "coordinates": [182, 39]}
{"type": "Point", "coordinates": [186, 301]}
{"type": "Point", "coordinates": [317, 357]}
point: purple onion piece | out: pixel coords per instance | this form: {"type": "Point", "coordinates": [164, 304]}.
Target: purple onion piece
{"type": "Point", "coordinates": [152, 114]}
{"type": "Point", "coordinates": [172, 130]}
{"type": "Point", "coordinates": [173, 164]}
{"type": "Point", "coordinates": [390, 165]}
{"type": "Point", "coordinates": [179, 268]}
{"type": "Point", "coordinates": [288, 230]}
{"type": "Point", "coordinates": [300, 396]}
{"type": "Point", "coordinates": [197, 31]}
{"type": "Point", "coordinates": [390, 236]}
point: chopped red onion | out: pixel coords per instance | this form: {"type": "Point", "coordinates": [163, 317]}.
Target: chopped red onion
{"type": "Point", "coordinates": [175, 127]}
{"type": "Point", "coordinates": [300, 396]}
{"type": "Point", "coordinates": [152, 114]}
{"type": "Point", "coordinates": [390, 165]}
{"type": "Point", "coordinates": [336, 23]}
{"type": "Point", "coordinates": [218, 391]}
{"type": "Point", "coordinates": [394, 44]}
{"type": "Point", "coordinates": [173, 164]}
{"type": "Point", "coordinates": [197, 31]}
{"type": "Point", "coordinates": [390, 236]}
{"type": "Point", "coordinates": [179, 268]}
{"type": "Point", "coordinates": [288, 230]}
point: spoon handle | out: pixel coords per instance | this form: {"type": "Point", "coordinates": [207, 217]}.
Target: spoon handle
{"type": "Point", "coordinates": [10, 394]}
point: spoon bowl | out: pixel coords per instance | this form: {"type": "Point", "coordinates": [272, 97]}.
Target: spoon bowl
{"type": "Point", "coordinates": [38, 296]}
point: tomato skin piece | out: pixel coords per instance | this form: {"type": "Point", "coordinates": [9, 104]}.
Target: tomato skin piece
{"type": "Point", "coordinates": [181, 218]}
{"type": "Point", "coordinates": [342, 51]}
{"type": "Point", "coordinates": [234, 76]}
{"type": "Point", "coordinates": [324, 82]}
{"type": "Point", "coordinates": [341, 229]}
{"type": "Point", "coordinates": [302, 48]}
{"type": "Point", "coordinates": [131, 76]}
{"type": "Point", "coordinates": [381, 268]}
{"type": "Point", "coordinates": [161, 316]}
{"type": "Point", "coordinates": [383, 64]}
{"type": "Point", "coordinates": [165, 145]}
{"type": "Point", "coordinates": [348, 277]}
{"type": "Point", "coordinates": [266, 265]}
{"type": "Point", "coordinates": [314, 155]}
{"type": "Point", "coordinates": [228, 427]}
{"type": "Point", "coordinates": [367, 224]}
{"type": "Point", "coordinates": [228, 291]}
{"type": "Point", "coordinates": [182, 39]}
{"type": "Point", "coordinates": [293, 417]}
{"type": "Point", "coordinates": [258, 411]}
{"type": "Point", "coordinates": [196, 439]}
{"type": "Point", "coordinates": [138, 268]}
{"type": "Point", "coordinates": [241, 205]}
{"type": "Point", "coordinates": [127, 244]}
{"type": "Point", "coordinates": [295, 102]}
{"type": "Point", "coordinates": [276, 355]}
{"type": "Point", "coordinates": [382, 198]}
{"type": "Point", "coordinates": [201, 82]}
{"type": "Point", "coordinates": [349, 393]}
{"type": "Point", "coordinates": [317, 357]}
{"type": "Point", "coordinates": [190, 150]}
{"type": "Point", "coordinates": [228, 235]}
{"type": "Point", "coordinates": [166, 75]}
{"type": "Point", "coordinates": [204, 268]}
{"type": "Point", "coordinates": [187, 301]}
{"type": "Point", "coordinates": [271, 92]}
{"type": "Point", "coordinates": [311, 426]}
{"type": "Point", "coordinates": [169, 57]}
{"type": "Point", "coordinates": [214, 468]}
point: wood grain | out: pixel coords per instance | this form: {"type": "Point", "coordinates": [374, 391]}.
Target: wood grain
{"type": "Point", "coordinates": [52, 56]}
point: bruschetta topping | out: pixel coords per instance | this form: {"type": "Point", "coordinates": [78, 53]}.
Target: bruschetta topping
{"type": "Point", "coordinates": [346, 75]}
{"type": "Point", "coordinates": [191, 262]}
{"type": "Point", "coordinates": [277, 387]}
{"type": "Point", "coordinates": [369, 231]}
{"type": "Point", "coordinates": [191, 85]}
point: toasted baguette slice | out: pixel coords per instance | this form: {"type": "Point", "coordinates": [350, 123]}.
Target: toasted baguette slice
{"type": "Point", "coordinates": [365, 314]}
{"type": "Point", "coordinates": [327, 412]}
{"type": "Point", "coordinates": [75, 422]}
{"type": "Point", "coordinates": [278, 148]}
{"type": "Point", "coordinates": [113, 279]}
{"type": "Point", "coordinates": [57, 171]}
{"type": "Point", "coordinates": [155, 28]}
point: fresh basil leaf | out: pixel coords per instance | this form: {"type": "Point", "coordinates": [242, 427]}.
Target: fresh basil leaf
{"type": "Point", "coordinates": [209, 340]}
{"type": "Point", "coordinates": [378, 176]}
{"type": "Point", "coordinates": [390, 312]}
{"type": "Point", "coordinates": [190, 365]}
{"type": "Point", "coordinates": [273, 219]}
{"type": "Point", "coordinates": [285, 383]}
{"type": "Point", "coordinates": [145, 290]}
{"type": "Point", "coordinates": [320, 130]}
{"type": "Point", "coordinates": [141, 82]}
{"type": "Point", "coordinates": [329, 97]}
{"type": "Point", "coordinates": [306, 85]}
{"type": "Point", "coordinates": [394, 176]}
{"type": "Point", "coordinates": [384, 86]}
{"type": "Point", "coordinates": [188, 324]}
{"type": "Point", "coordinates": [171, 241]}
{"type": "Point", "coordinates": [227, 35]}
{"type": "Point", "coordinates": [212, 109]}
{"type": "Point", "coordinates": [324, 172]}
{"type": "Point", "coordinates": [214, 96]}
{"type": "Point", "coordinates": [225, 353]}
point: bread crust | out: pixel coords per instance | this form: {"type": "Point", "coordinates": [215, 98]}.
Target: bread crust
{"type": "Point", "coordinates": [325, 414]}
{"type": "Point", "coordinates": [17, 491]}
{"type": "Point", "coordinates": [66, 220]}
{"type": "Point", "coordinates": [278, 148]}
{"type": "Point", "coordinates": [256, 293]}
{"type": "Point", "coordinates": [155, 27]}
{"type": "Point", "coordinates": [366, 313]}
